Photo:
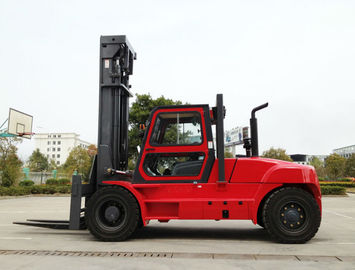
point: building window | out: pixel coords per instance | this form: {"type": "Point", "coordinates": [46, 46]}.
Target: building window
{"type": "Point", "coordinates": [48, 149]}
{"type": "Point", "coordinates": [53, 149]}
{"type": "Point", "coordinates": [59, 136]}
{"type": "Point", "coordinates": [58, 149]}
{"type": "Point", "coordinates": [48, 142]}
{"type": "Point", "coordinates": [49, 136]}
{"type": "Point", "coordinates": [53, 142]}
{"type": "Point", "coordinates": [58, 162]}
{"type": "Point", "coordinates": [54, 136]}
{"type": "Point", "coordinates": [59, 142]}
{"type": "Point", "coordinates": [58, 156]}
{"type": "Point", "coordinates": [53, 156]}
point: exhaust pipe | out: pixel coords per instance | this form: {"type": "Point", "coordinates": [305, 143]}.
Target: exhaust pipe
{"type": "Point", "coordinates": [254, 130]}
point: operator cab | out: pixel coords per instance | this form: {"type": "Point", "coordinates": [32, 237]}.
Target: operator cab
{"type": "Point", "coordinates": [175, 146]}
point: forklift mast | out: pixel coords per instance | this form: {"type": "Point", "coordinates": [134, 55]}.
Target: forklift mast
{"type": "Point", "coordinates": [116, 64]}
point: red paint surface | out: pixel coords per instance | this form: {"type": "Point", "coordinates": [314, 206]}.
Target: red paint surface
{"type": "Point", "coordinates": [248, 181]}
{"type": "Point", "coordinates": [251, 180]}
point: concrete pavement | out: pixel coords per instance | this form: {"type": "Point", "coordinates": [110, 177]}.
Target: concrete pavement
{"type": "Point", "coordinates": [196, 244]}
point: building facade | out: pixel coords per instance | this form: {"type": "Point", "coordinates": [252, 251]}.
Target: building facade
{"type": "Point", "coordinates": [57, 146]}
{"type": "Point", "coordinates": [346, 151]}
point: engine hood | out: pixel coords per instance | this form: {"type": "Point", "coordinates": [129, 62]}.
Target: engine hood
{"type": "Point", "coordinates": [257, 169]}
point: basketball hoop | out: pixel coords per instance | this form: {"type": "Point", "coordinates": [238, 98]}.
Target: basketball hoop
{"type": "Point", "coordinates": [25, 134]}
{"type": "Point", "coordinates": [19, 125]}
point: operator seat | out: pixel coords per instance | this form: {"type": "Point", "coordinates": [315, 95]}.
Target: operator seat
{"type": "Point", "coordinates": [188, 168]}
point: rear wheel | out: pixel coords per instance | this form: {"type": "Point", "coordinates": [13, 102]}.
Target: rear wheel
{"type": "Point", "coordinates": [112, 214]}
{"type": "Point", "coordinates": [291, 215]}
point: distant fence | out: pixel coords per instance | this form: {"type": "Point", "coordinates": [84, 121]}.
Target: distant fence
{"type": "Point", "coordinates": [41, 177]}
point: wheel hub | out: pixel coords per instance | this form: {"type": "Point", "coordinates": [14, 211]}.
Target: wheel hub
{"type": "Point", "coordinates": [292, 216]}
{"type": "Point", "coordinates": [112, 213]}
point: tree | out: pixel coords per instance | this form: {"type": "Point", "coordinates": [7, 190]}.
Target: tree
{"type": "Point", "coordinates": [38, 162]}
{"type": "Point", "coordinates": [350, 166]}
{"type": "Point", "coordinates": [277, 153]}
{"type": "Point", "coordinates": [78, 160]}
{"type": "Point", "coordinates": [139, 114]}
{"type": "Point", "coordinates": [335, 166]}
{"type": "Point", "coordinates": [10, 164]}
{"type": "Point", "coordinates": [318, 166]}
{"type": "Point", "coordinates": [228, 154]}
{"type": "Point", "coordinates": [92, 150]}
{"type": "Point", "coordinates": [52, 165]}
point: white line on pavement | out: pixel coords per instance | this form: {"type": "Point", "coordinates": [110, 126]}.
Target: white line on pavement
{"type": "Point", "coordinates": [12, 212]}
{"type": "Point", "coordinates": [35, 211]}
{"type": "Point", "coordinates": [340, 215]}
{"type": "Point", "coordinates": [15, 238]}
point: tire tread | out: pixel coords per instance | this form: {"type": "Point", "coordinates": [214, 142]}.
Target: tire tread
{"type": "Point", "coordinates": [133, 203]}
{"type": "Point", "coordinates": [269, 226]}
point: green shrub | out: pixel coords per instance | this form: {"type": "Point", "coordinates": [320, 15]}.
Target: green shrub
{"type": "Point", "coordinates": [340, 184]}
{"type": "Point", "coordinates": [3, 191]}
{"type": "Point", "coordinates": [64, 189]}
{"type": "Point", "coordinates": [346, 179]}
{"type": "Point", "coordinates": [36, 189]}
{"type": "Point", "coordinates": [26, 190]}
{"type": "Point", "coordinates": [52, 181]}
{"type": "Point", "coordinates": [17, 191]}
{"type": "Point", "coordinates": [64, 181]}
{"type": "Point", "coordinates": [49, 189]}
{"type": "Point", "coordinates": [337, 180]}
{"type": "Point", "coordinates": [333, 190]}
{"type": "Point", "coordinates": [26, 183]}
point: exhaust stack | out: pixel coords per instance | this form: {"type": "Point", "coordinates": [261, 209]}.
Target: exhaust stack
{"type": "Point", "coordinates": [254, 130]}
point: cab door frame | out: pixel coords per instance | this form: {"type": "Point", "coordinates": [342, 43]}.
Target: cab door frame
{"type": "Point", "coordinates": [206, 147]}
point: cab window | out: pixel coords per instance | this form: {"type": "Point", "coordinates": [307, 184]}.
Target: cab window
{"type": "Point", "coordinates": [173, 164]}
{"type": "Point", "coordinates": [178, 128]}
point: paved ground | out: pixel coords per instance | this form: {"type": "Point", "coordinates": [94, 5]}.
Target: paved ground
{"type": "Point", "coordinates": [175, 245]}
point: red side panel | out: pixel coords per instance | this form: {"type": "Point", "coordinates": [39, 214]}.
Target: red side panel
{"type": "Point", "coordinates": [263, 170]}
{"type": "Point", "coordinates": [269, 171]}
{"type": "Point", "coordinates": [250, 180]}
{"type": "Point", "coordinates": [229, 164]}
{"type": "Point", "coordinates": [251, 170]}
{"type": "Point", "coordinates": [196, 201]}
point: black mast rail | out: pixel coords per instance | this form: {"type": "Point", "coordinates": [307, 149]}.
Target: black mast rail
{"type": "Point", "coordinates": [116, 64]}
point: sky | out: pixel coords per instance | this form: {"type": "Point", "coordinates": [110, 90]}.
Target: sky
{"type": "Point", "coordinates": [297, 55]}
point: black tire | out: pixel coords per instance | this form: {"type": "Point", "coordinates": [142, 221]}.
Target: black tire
{"type": "Point", "coordinates": [112, 214]}
{"type": "Point", "coordinates": [291, 215]}
{"type": "Point", "coordinates": [261, 222]}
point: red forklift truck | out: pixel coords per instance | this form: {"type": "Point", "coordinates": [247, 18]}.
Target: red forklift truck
{"type": "Point", "coordinates": [180, 173]}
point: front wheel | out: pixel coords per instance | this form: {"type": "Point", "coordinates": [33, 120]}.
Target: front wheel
{"type": "Point", "coordinates": [112, 214]}
{"type": "Point", "coordinates": [291, 215]}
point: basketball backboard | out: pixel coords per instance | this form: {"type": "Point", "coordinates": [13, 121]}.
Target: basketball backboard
{"type": "Point", "coordinates": [19, 124]}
